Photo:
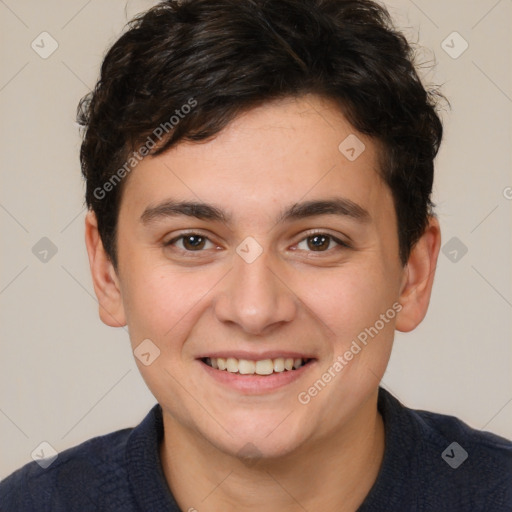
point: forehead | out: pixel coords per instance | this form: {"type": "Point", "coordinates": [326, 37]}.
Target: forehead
{"type": "Point", "coordinates": [278, 154]}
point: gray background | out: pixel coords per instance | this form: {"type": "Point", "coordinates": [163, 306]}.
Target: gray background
{"type": "Point", "coordinates": [65, 377]}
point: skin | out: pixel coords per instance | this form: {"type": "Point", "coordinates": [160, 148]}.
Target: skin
{"type": "Point", "coordinates": [323, 455]}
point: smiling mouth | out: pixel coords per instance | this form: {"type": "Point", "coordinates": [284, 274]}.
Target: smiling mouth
{"type": "Point", "coordinates": [260, 367]}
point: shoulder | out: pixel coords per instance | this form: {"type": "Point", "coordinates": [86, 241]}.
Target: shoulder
{"type": "Point", "coordinates": [449, 462]}
{"type": "Point", "coordinates": [79, 474]}
{"type": "Point", "coordinates": [476, 465]}
{"type": "Point", "coordinates": [487, 454]}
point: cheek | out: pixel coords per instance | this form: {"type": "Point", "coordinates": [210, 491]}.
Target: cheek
{"type": "Point", "coordinates": [161, 303]}
{"type": "Point", "coordinates": [347, 300]}
{"type": "Point", "coordinates": [164, 305]}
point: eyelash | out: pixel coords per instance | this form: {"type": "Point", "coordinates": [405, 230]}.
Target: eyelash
{"type": "Point", "coordinates": [340, 243]}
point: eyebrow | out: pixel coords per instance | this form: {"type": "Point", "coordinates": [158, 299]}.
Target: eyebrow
{"type": "Point", "coordinates": [338, 206]}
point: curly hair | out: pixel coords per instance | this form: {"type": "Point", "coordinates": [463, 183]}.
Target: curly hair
{"type": "Point", "coordinates": [224, 57]}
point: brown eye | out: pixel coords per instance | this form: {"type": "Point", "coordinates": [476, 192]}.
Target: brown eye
{"type": "Point", "coordinates": [321, 242]}
{"type": "Point", "coordinates": [191, 242]}
{"type": "Point", "coordinates": [318, 242]}
{"type": "Point", "coordinates": [194, 242]}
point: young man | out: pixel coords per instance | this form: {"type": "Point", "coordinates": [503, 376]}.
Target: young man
{"type": "Point", "coordinates": [258, 180]}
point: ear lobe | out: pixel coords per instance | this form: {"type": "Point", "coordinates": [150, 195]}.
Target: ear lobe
{"type": "Point", "coordinates": [104, 276]}
{"type": "Point", "coordinates": [418, 278]}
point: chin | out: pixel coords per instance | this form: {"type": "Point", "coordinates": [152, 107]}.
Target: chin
{"type": "Point", "coordinates": [251, 451]}
{"type": "Point", "coordinates": [259, 438]}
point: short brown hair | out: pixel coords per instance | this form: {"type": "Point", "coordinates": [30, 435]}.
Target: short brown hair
{"type": "Point", "coordinates": [229, 56]}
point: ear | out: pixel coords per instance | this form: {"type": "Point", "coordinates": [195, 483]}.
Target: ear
{"type": "Point", "coordinates": [418, 278]}
{"type": "Point", "coordinates": [104, 276]}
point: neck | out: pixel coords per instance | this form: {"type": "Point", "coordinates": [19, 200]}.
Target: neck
{"type": "Point", "coordinates": [331, 474]}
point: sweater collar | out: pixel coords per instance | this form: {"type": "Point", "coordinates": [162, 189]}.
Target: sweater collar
{"type": "Point", "coordinates": [145, 472]}
{"type": "Point", "coordinates": [152, 492]}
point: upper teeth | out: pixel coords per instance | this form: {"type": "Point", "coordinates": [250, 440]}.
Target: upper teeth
{"type": "Point", "coordinates": [261, 367]}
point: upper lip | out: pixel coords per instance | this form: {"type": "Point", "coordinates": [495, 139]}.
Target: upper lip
{"type": "Point", "coordinates": [256, 356]}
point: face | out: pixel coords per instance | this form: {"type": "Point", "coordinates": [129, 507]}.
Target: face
{"type": "Point", "coordinates": [262, 248]}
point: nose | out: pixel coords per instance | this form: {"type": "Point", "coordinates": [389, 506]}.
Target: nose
{"type": "Point", "coordinates": [255, 296]}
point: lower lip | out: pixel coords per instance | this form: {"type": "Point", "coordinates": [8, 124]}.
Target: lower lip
{"type": "Point", "coordinates": [256, 384]}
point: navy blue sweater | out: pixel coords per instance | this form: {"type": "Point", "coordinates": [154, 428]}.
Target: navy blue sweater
{"type": "Point", "coordinates": [432, 463]}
